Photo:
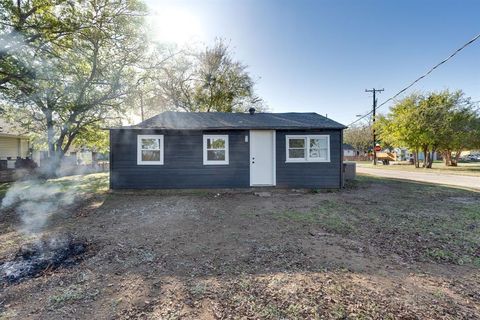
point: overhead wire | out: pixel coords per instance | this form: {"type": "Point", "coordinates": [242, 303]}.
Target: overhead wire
{"type": "Point", "coordinates": [419, 78]}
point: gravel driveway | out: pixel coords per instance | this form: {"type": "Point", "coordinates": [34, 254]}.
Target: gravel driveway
{"type": "Point", "coordinates": [430, 177]}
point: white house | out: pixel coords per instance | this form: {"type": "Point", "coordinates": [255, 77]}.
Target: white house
{"type": "Point", "coordinates": [348, 150]}
{"type": "Point", "coordinates": [13, 144]}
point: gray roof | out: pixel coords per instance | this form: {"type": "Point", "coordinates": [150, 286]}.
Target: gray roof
{"type": "Point", "coordinates": [224, 120]}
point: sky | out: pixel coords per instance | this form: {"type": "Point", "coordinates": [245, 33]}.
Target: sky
{"type": "Point", "coordinates": [320, 56]}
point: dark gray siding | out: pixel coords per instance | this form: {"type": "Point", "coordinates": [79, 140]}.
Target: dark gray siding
{"type": "Point", "coordinates": [309, 175]}
{"type": "Point", "coordinates": [183, 161]}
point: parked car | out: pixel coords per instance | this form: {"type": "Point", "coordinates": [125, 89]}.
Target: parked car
{"type": "Point", "coordinates": [471, 158]}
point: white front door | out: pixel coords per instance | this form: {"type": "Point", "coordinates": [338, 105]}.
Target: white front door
{"type": "Point", "coordinates": [262, 157]}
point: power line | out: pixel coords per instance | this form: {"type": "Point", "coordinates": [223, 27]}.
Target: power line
{"type": "Point", "coordinates": [420, 78]}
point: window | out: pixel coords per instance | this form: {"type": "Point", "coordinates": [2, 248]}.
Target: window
{"type": "Point", "coordinates": [215, 149]}
{"type": "Point", "coordinates": [150, 149]}
{"type": "Point", "coordinates": [310, 148]}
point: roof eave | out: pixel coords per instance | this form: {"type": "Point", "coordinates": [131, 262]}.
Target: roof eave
{"type": "Point", "coordinates": [231, 128]}
{"type": "Point", "coordinates": [11, 135]}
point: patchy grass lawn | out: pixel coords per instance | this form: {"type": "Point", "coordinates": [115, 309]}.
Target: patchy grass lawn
{"type": "Point", "coordinates": [379, 249]}
{"type": "Point", "coordinates": [95, 183]}
{"type": "Point", "coordinates": [418, 221]}
{"type": "Point", "coordinates": [466, 169]}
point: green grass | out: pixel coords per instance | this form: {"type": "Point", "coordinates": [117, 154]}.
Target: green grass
{"type": "Point", "coordinates": [412, 219]}
{"type": "Point", "coordinates": [334, 217]}
{"type": "Point", "coordinates": [72, 293]}
{"type": "Point", "coordinates": [69, 186]}
{"type": "Point", "coordinates": [94, 183]}
{"type": "Point", "coordinates": [468, 169]}
{"type": "Point", "coordinates": [90, 183]}
{"type": "Point", "coordinates": [328, 214]}
{"type": "Point", "coordinates": [441, 255]}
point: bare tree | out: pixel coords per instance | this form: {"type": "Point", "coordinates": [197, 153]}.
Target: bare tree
{"type": "Point", "coordinates": [359, 137]}
{"type": "Point", "coordinates": [207, 80]}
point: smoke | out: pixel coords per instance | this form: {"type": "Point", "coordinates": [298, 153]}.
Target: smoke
{"type": "Point", "coordinates": [36, 201]}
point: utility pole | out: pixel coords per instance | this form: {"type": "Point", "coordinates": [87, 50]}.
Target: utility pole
{"type": "Point", "coordinates": [374, 91]}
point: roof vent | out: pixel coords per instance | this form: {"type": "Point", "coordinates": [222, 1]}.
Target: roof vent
{"type": "Point", "coordinates": [252, 111]}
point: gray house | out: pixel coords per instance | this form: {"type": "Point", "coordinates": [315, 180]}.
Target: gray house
{"type": "Point", "coordinates": [227, 150]}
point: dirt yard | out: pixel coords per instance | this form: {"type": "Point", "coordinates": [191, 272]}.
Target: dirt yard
{"type": "Point", "coordinates": [379, 249]}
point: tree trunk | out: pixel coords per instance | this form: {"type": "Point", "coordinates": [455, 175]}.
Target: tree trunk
{"type": "Point", "coordinates": [49, 167]}
{"type": "Point", "coordinates": [56, 149]}
{"type": "Point", "coordinates": [448, 158]}
{"type": "Point", "coordinates": [50, 133]}
{"type": "Point", "coordinates": [415, 159]}
{"type": "Point", "coordinates": [425, 151]}
{"type": "Point", "coordinates": [430, 158]}
{"type": "Point", "coordinates": [454, 161]}
{"type": "Point", "coordinates": [70, 139]}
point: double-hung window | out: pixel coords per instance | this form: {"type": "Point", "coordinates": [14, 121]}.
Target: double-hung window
{"type": "Point", "coordinates": [215, 149]}
{"type": "Point", "coordinates": [150, 149]}
{"type": "Point", "coordinates": [308, 148]}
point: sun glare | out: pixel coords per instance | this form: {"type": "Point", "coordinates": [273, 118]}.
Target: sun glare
{"type": "Point", "coordinates": [175, 25]}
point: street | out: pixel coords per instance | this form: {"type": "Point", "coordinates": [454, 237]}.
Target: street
{"type": "Point", "coordinates": [429, 177]}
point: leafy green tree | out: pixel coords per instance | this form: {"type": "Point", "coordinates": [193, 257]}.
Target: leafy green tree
{"type": "Point", "coordinates": [445, 122]}
{"type": "Point", "coordinates": [461, 132]}
{"type": "Point", "coordinates": [67, 66]}
{"type": "Point", "coordinates": [94, 139]}
{"type": "Point", "coordinates": [399, 128]}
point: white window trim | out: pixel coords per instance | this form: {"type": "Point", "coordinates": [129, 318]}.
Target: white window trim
{"type": "Point", "coordinates": [307, 148]}
{"type": "Point", "coordinates": [139, 149]}
{"type": "Point", "coordinates": [215, 162]}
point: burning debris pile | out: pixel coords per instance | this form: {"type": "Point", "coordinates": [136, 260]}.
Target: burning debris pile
{"type": "Point", "coordinates": [36, 202]}
{"type": "Point", "coordinates": [42, 256]}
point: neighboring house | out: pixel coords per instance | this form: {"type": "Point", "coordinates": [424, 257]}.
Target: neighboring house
{"type": "Point", "coordinates": [348, 150]}
{"type": "Point", "coordinates": [227, 150]}
{"type": "Point", "coordinates": [401, 154]}
{"type": "Point", "coordinates": [404, 154]}
{"type": "Point", "coordinates": [13, 144]}
{"type": "Point", "coordinates": [352, 154]}
{"type": "Point", "coordinates": [421, 156]}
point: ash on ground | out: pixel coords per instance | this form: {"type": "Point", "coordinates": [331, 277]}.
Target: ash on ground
{"type": "Point", "coordinates": [44, 255]}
